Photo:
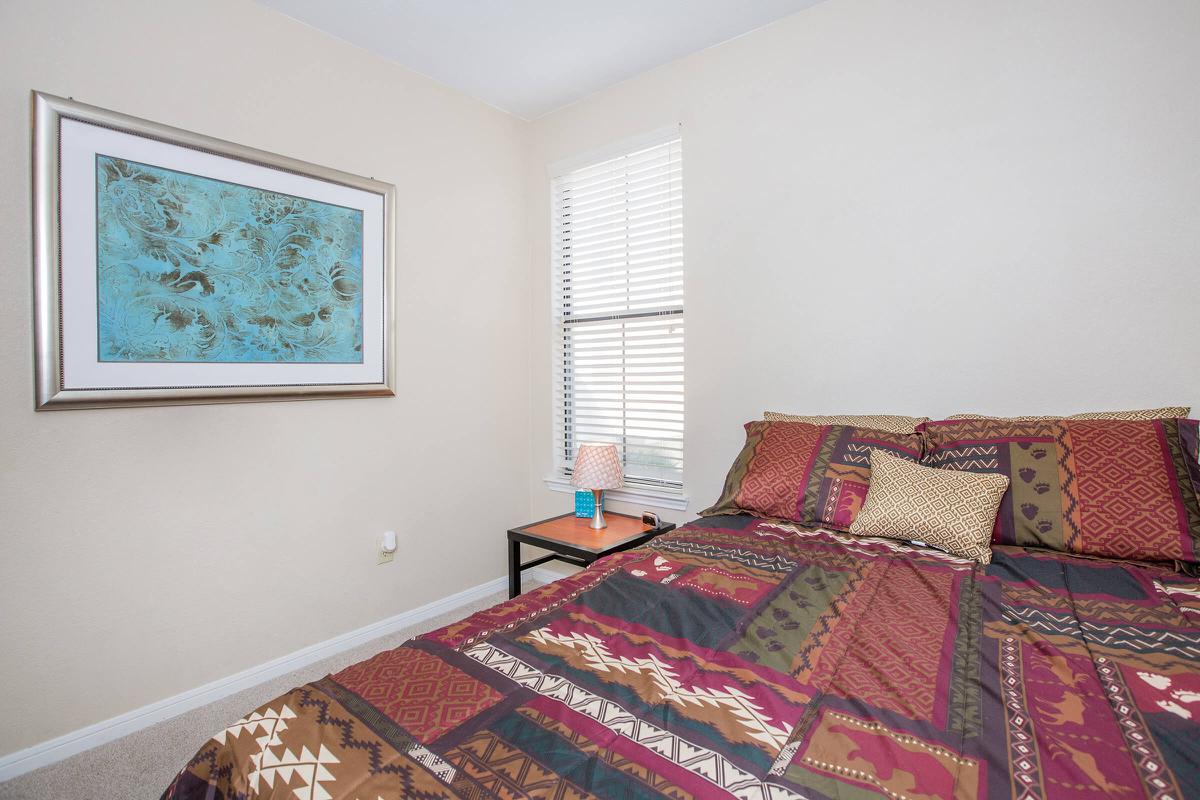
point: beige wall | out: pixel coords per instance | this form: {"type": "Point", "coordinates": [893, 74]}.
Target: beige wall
{"type": "Point", "coordinates": [144, 552]}
{"type": "Point", "coordinates": [918, 207]}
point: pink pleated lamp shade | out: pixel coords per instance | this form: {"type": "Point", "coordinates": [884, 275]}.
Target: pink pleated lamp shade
{"type": "Point", "coordinates": [597, 466]}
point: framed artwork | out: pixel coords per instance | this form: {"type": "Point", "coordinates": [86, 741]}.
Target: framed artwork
{"type": "Point", "coordinates": [171, 267]}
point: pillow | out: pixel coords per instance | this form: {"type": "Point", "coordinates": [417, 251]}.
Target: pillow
{"type": "Point", "coordinates": [1171, 412]}
{"type": "Point", "coordinates": [811, 474]}
{"type": "Point", "coordinates": [1113, 488]}
{"type": "Point", "coordinates": [951, 510]}
{"type": "Point", "coordinates": [881, 422]}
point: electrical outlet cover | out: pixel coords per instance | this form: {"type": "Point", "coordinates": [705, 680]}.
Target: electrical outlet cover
{"type": "Point", "coordinates": [385, 558]}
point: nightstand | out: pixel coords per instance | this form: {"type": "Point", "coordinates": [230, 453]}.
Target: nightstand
{"type": "Point", "coordinates": [571, 539]}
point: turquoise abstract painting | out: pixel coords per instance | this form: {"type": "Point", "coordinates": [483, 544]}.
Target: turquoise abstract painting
{"type": "Point", "coordinates": [193, 269]}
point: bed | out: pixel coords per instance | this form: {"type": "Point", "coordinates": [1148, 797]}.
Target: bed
{"type": "Point", "coordinates": [750, 658]}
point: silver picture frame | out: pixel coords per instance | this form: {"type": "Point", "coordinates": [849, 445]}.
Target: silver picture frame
{"type": "Point", "coordinates": [48, 113]}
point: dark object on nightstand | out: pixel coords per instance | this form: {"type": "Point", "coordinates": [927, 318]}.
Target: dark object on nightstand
{"type": "Point", "coordinates": [571, 539]}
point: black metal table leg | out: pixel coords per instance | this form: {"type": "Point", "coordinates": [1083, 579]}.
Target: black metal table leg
{"type": "Point", "coordinates": [514, 569]}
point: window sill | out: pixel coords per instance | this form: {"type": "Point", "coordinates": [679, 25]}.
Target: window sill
{"type": "Point", "coordinates": [629, 494]}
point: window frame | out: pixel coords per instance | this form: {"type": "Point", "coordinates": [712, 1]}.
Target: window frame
{"type": "Point", "coordinates": [655, 492]}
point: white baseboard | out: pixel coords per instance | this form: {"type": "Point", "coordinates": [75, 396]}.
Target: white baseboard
{"type": "Point", "coordinates": [40, 755]}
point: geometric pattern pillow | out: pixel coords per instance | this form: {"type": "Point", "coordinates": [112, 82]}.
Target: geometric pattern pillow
{"type": "Point", "coordinates": [948, 509]}
{"type": "Point", "coordinates": [1171, 412]}
{"type": "Point", "coordinates": [1113, 488]}
{"type": "Point", "coordinates": [882, 422]}
{"type": "Point", "coordinates": [811, 474]}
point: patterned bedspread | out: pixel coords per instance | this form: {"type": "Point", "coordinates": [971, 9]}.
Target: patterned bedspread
{"type": "Point", "coordinates": [742, 658]}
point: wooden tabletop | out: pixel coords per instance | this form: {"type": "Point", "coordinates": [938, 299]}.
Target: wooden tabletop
{"type": "Point", "coordinates": [577, 531]}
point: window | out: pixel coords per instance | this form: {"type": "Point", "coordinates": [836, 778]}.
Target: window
{"type": "Point", "coordinates": [617, 255]}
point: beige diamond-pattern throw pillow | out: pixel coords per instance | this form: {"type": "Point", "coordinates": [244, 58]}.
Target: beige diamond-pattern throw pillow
{"type": "Point", "coordinates": [949, 509]}
{"type": "Point", "coordinates": [880, 422]}
{"type": "Point", "coordinates": [1140, 415]}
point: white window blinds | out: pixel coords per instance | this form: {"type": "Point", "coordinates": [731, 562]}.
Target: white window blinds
{"type": "Point", "coordinates": [618, 312]}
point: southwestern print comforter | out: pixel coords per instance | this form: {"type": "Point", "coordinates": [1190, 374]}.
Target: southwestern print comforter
{"type": "Point", "coordinates": [743, 658]}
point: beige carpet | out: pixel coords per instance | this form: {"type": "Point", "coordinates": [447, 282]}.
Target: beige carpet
{"type": "Point", "coordinates": [140, 766]}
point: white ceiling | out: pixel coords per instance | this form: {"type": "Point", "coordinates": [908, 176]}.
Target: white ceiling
{"type": "Point", "coordinates": [530, 57]}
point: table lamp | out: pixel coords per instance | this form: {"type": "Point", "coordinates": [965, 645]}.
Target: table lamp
{"type": "Point", "coordinates": [597, 467]}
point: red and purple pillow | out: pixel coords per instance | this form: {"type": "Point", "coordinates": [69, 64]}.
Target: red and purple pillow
{"type": "Point", "coordinates": [1111, 488]}
{"type": "Point", "coordinates": [811, 474]}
